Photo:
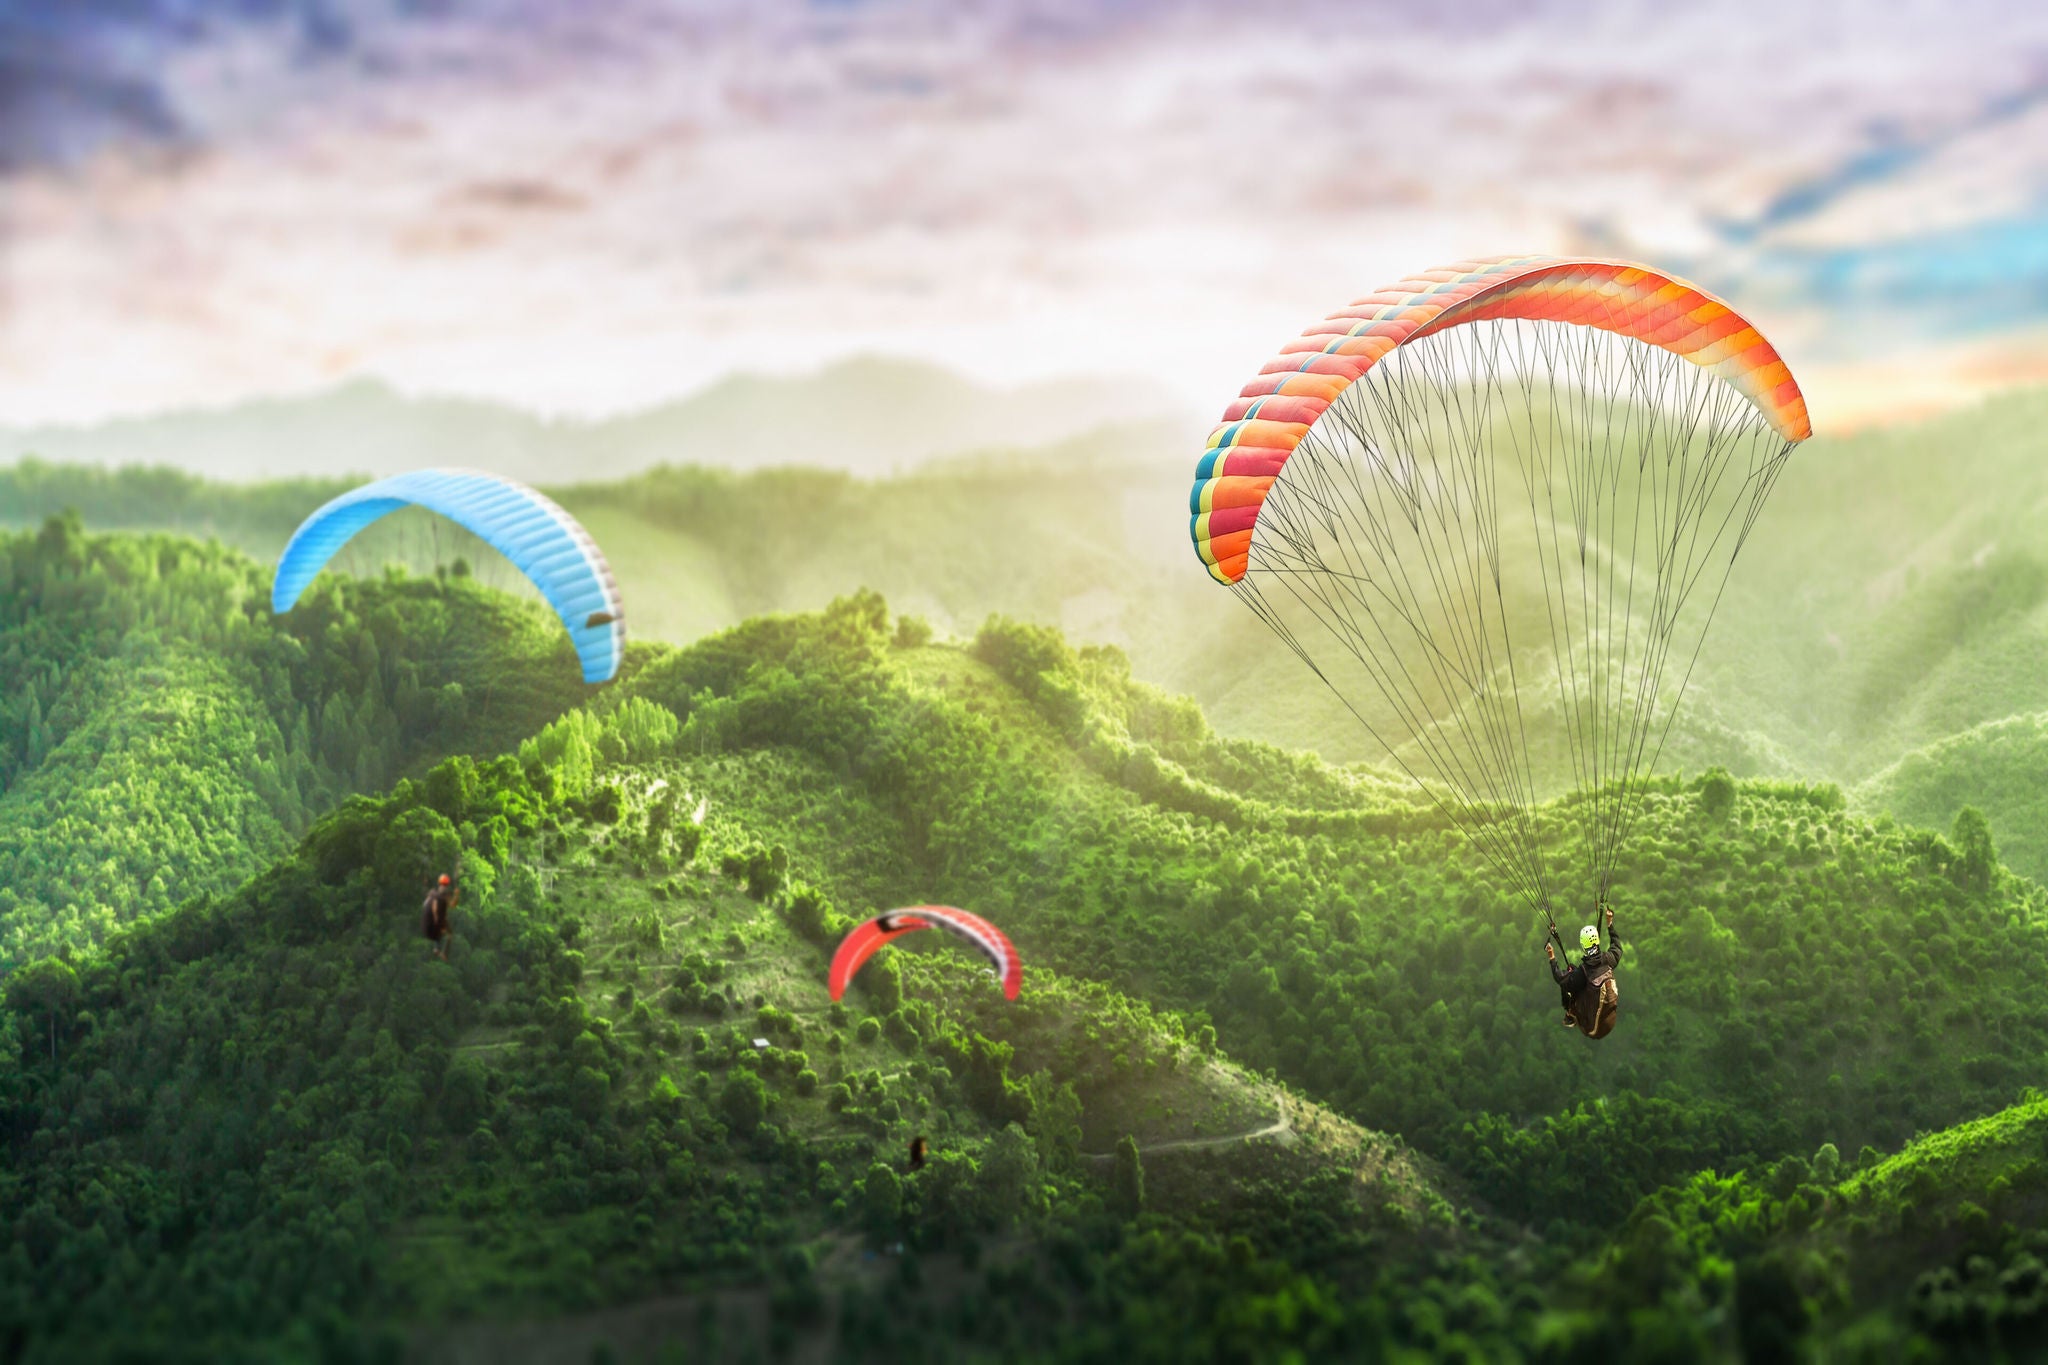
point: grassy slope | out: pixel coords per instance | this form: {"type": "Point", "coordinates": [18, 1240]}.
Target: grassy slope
{"type": "Point", "coordinates": [1066, 848]}
{"type": "Point", "coordinates": [1204, 1124]}
{"type": "Point", "coordinates": [1932, 1253]}
{"type": "Point", "coordinates": [1889, 595]}
{"type": "Point", "coordinates": [151, 797]}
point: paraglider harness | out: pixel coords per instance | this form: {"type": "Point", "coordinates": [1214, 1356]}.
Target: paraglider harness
{"type": "Point", "coordinates": [1592, 1011]}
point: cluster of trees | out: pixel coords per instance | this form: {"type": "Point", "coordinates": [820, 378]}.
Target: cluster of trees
{"type": "Point", "coordinates": [257, 517]}
{"type": "Point", "coordinates": [1933, 1253]}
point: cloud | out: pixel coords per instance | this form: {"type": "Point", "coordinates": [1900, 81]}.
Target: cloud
{"type": "Point", "coordinates": [594, 206]}
{"type": "Point", "coordinates": [67, 89]}
{"type": "Point", "coordinates": [1893, 153]}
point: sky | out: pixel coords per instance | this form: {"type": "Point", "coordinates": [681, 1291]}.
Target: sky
{"type": "Point", "coordinates": [592, 206]}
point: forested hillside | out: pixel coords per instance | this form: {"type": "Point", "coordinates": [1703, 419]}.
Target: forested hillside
{"type": "Point", "coordinates": [162, 735]}
{"type": "Point", "coordinates": [1337, 932]}
{"type": "Point", "coordinates": [265, 1125]}
{"type": "Point", "coordinates": [2000, 767]}
{"type": "Point", "coordinates": [268, 1126]}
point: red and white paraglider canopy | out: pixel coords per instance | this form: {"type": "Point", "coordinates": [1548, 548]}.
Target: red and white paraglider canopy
{"type": "Point", "coordinates": [865, 941]}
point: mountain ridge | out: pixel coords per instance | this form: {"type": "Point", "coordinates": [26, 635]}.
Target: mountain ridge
{"type": "Point", "coordinates": [871, 414]}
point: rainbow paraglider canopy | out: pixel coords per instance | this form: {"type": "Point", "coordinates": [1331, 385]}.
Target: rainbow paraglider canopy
{"type": "Point", "coordinates": [1272, 413]}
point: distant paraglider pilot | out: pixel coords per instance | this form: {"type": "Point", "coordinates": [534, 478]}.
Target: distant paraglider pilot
{"type": "Point", "coordinates": [441, 898]}
{"type": "Point", "coordinates": [1591, 998]}
{"type": "Point", "coordinates": [917, 1153]}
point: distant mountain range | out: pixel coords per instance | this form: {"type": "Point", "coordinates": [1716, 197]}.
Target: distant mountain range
{"type": "Point", "coordinates": [870, 416]}
{"type": "Point", "coordinates": [1894, 592]}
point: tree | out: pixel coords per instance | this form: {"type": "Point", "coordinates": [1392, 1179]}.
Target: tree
{"type": "Point", "coordinates": [451, 788]}
{"type": "Point", "coordinates": [638, 730]}
{"type": "Point", "coordinates": [48, 988]}
{"type": "Point", "coordinates": [881, 1198]}
{"type": "Point", "coordinates": [1971, 835]}
{"type": "Point", "coordinates": [1055, 1121]}
{"type": "Point", "coordinates": [451, 709]}
{"type": "Point", "coordinates": [983, 1066]}
{"type": "Point", "coordinates": [743, 1103]}
{"type": "Point", "coordinates": [465, 1095]}
{"type": "Point", "coordinates": [808, 912]}
{"type": "Point", "coordinates": [1770, 1313]}
{"type": "Point", "coordinates": [1008, 1179]}
{"type": "Point", "coordinates": [1717, 795]}
{"type": "Point", "coordinates": [882, 980]}
{"type": "Point", "coordinates": [419, 844]}
{"type": "Point", "coordinates": [1127, 1185]}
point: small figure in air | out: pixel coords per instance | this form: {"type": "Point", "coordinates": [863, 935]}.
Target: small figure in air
{"type": "Point", "coordinates": [1591, 998]}
{"type": "Point", "coordinates": [917, 1153]}
{"type": "Point", "coordinates": [441, 898]}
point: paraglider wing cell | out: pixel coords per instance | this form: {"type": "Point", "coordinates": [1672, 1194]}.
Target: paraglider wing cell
{"type": "Point", "coordinates": [865, 941]}
{"type": "Point", "coordinates": [540, 539]}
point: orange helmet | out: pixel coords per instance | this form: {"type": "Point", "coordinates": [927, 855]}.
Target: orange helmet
{"type": "Point", "coordinates": [444, 879]}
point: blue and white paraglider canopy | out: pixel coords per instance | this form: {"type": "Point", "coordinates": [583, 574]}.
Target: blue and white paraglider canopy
{"type": "Point", "coordinates": [543, 542]}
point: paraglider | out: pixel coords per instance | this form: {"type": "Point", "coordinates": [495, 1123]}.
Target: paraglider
{"type": "Point", "coordinates": [543, 542]}
{"type": "Point", "coordinates": [1493, 508]}
{"type": "Point", "coordinates": [1592, 1000]}
{"type": "Point", "coordinates": [917, 1153]}
{"type": "Point", "coordinates": [442, 894]}
{"type": "Point", "coordinates": [869, 938]}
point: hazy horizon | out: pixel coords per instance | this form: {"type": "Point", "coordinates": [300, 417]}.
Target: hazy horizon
{"type": "Point", "coordinates": [839, 416]}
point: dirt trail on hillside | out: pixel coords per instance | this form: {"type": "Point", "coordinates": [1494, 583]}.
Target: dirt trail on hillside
{"type": "Point", "coordinates": [1281, 1126]}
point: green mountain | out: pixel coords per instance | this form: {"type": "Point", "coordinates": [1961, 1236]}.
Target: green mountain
{"type": "Point", "coordinates": [626, 1123]}
{"type": "Point", "coordinates": [1935, 1253]}
{"type": "Point", "coordinates": [1085, 534]}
